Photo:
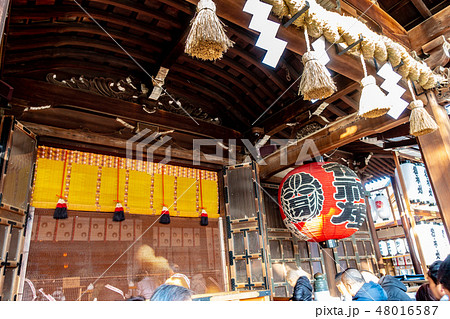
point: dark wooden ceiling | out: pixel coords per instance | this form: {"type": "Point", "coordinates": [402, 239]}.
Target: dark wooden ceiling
{"type": "Point", "coordinates": [57, 36]}
{"type": "Point", "coordinates": [410, 13]}
{"type": "Point", "coordinates": [226, 96]}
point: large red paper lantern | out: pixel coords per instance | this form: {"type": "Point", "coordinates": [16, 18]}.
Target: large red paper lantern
{"type": "Point", "coordinates": [322, 201]}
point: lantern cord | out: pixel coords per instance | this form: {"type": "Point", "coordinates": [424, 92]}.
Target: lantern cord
{"type": "Point", "coordinates": [162, 183]}
{"type": "Point", "coordinates": [201, 190]}
{"type": "Point", "coordinates": [63, 175]}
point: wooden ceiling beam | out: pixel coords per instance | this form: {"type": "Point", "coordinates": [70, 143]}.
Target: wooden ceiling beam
{"type": "Point", "coordinates": [60, 41]}
{"type": "Point", "coordinates": [219, 98]}
{"type": "Point", "coordinates": [246, 105]}
{"type": "Point", "coordinates": [67, 27]}
{"type": "Point", "coordinates": [350, 102]}
{"type": "Point", "coordinates": [115, 143]}
{"type": "Point", "coordinates": [422, 8]}
{"type": "Point", "coordinates": [142, 10]}
{"type": "Point", "coordinates": [227, 61]}
{"type": "Point", "coordinates": [222, 74]}
{"type": "Point", "coordinates": [66, 11]}
{"type": "Point", "coordinates": [277, 122]}
{"type": "Point", "coordinates": [67, 53]}
{"type": "Point", "coordinates": [336, 111]}
{"type": "Point", "coordinates": [271, 75]}
{"type": "Point", "coordinates": [337, 134]}
{"type": "Point", "coordinates": [223, 101]}
{"type": "Point", "coordinates": [435, 26]}
{"type": "Point", "coordinates": [389, 26]}
{"type": "Point", "coordinates": [42, 93]}
{"type": "Point", "coordinates": [45, 66]}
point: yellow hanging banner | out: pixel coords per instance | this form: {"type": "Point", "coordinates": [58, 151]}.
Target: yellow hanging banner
{"type": "Point", "coordinates": [90, 184]}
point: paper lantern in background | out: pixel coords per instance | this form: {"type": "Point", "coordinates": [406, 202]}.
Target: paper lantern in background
{"type": "Point", "coordinates": [400, 246]}
{"type": "Point", "coordinates": [383, 248]}
{"type": "Point", "coordinates": [323, 201]}
{"type": "Point", "coordinates": [413, 183]}
{"type": "Point", "coordinates": [383, 207]}
{"type": "Point", "coordinates": [391, 247]}
{"type": "Point", "coordinates": [373, 209]}
{"type": "Point", "coordinates": [442, 240]}
{"type": "Point", "coordinates": [406, 245]}
{"type": "Point", "coordinates": [428, 235]}
{"type": "Point", "coordinates": [427, 190]}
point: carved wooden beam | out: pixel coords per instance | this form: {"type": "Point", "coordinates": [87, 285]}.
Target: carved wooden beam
{"type": "Point", "coordinates": [337, 134]}
{"type": "Point", "coordinates": [45, 131]}
{"type": "Point", "coordinates": [39, 93]}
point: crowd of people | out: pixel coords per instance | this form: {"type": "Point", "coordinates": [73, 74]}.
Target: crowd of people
{"type": "Point", "coordinates": [363, 285]}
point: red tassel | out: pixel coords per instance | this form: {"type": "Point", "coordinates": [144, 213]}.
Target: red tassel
{"type": "Point", "coordinates": [118, 213]}
{"type": "Point", "coordinates": [61, 209]}
{"type": "Point", "coordinates": [165, 216]}
{"type": "Point", "coordinates": [204, 218]}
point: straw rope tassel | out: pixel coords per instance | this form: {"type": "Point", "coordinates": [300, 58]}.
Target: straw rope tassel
{"type": "Point", "coordinates": [373, 102]}
{"type": "Point", "coordinates": [61, 206]}
{"type": "Point", "coordinates": [207, 39]}
{"type": "Point", "coordinates": [204, 215]}
{"type": "Point", "coordinates": [118, 211]}
{"type": "Point", "coordinates": [420, 121]}
{"type": "Point", "coordinates": [316, 82]}
{"type": "Point", "coordinates": [165, 216]}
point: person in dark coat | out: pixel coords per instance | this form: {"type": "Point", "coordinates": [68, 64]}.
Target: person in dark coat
{"type": "Point", "coordinates": [394, 288]}
{"type": "Point", "coordinates": [302, 287]}
{"type": "Point", "coordinates": [359, 289]}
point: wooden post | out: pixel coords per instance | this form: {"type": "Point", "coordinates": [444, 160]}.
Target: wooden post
{"type": "Point", "coordinates": [435, 148]}
{"type": "Point", "coordinates": [410, 214]}
{"type": "Point", "coordinates": [373, 233]}
{"type": "Point", "coordinates": [330, 269]}
{"type": "Point", "coordinates": [406, 226]}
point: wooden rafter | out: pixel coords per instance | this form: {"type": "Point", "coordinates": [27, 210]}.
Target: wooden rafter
{"type": "Point", "coordinates": [41, 93]}
{"type": "Point", "coordinates": [423, 9]}
{"type": "Point", "coordinates": [337, 134]}
{"type": "Point", "coordinates": [45, 12]}
{"type": "Point", "coordinates": [277, 121]}
{"type": "Point", "coordinates": [430, 29]}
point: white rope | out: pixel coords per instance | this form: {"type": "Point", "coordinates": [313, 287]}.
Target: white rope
{"type": "Point", "coordinates": [308, 45]}
{"type": "Point", "coordinates": [411, 90]}
{"type": "Point", "coordinates": [363, 64]}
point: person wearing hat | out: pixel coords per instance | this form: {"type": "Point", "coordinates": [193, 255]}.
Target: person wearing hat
{"type": "Point", "coordinates": [299, 279]}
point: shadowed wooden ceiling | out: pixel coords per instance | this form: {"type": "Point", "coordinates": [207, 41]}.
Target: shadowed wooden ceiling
{"type": "Point", "coordinates": [54, 36]}
{"type": "Point", "coordinates": [54, 41]}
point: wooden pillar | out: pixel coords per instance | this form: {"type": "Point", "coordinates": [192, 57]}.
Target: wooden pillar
{"type": "Point", "coordinates": [373, 233]}
{"type": "Point", "coordinates": [329, 264]}
{"type": "Point", "coordinates": [406, 226]}
{"type": "Point", "coordinates": [423, 265]}
{"type": "Point", "coordinates": [435, 148]}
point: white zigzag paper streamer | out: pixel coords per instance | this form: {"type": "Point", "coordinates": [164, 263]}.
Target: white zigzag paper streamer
{"type": "Point", "coordinates": [398, 105]}
{"type": "Point", "coordinates": [319, 48]}
{"type": "Point", "coordinates": [268, 31]}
